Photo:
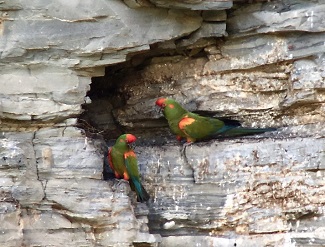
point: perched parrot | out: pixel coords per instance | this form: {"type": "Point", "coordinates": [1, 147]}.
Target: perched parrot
{"type": "Point", "coordinates": [194, 127]}
{"type": "Point", "coordinates": [123, 162]}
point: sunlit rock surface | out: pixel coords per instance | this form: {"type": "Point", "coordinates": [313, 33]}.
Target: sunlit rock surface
{"type": "Point", "coordinates": [194, 4]}
{"type": "Point", "coordinates": [264, 184]}
{"type": "Point", "coordinates": [260, 62]}
{"type": "Point", "coordinates": [278, 16]}
{"type": "Point", "coordinates": [52, 193]}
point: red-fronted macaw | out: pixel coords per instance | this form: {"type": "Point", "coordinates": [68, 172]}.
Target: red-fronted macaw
{"type": "Point", "coordinates": [123, 162]}
{"type": "Point", "coordinates": [192, 126]}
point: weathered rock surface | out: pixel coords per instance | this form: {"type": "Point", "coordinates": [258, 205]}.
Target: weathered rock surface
{"type": "Point", "coordinates": [194, 4]}
{"type": "Point", "coordinates": [53, 194]}
{"type": "Point", "coordinates": [43, 40]}
{"type": "Point", "coordinates": [182, 4]}
{"type": "Point", "coordinates": [105, 35]}
{"type": "Point", "coordinates": [29, 94]}
{"type": "Point", "coordinates": [261, 63]}
{"type": "Point", "coordinates": [279, 16]}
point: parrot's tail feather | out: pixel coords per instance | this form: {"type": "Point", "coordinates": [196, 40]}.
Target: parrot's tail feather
{"type": "Point", "coordinates": [142, 194]}
{"type": "Point", "coordinates": [247, 131]}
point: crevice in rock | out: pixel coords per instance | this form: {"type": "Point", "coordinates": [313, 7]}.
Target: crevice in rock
{"type": "Point", "coordinates": [111, 94]}
{"type": "Point", "coordinates": [43, 182]}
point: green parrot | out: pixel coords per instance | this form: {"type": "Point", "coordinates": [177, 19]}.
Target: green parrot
{"type": "Point", "coordinates": [173, 112]}
{"type": "Point", "coordinates": [194, 127]}
{"type": "Point", "coordinates": [123, 162]}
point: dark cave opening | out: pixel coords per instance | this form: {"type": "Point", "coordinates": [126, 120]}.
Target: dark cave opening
{"type": "Point", "coordinates": [112, 93]}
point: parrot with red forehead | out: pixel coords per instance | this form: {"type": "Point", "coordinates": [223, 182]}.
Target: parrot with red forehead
{"type": "Point", "coordinates": [193, 127]}
{"type": "Point", "coordinates": [123, 162]}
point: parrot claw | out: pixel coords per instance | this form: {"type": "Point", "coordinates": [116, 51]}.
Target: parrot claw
{"type": "Point", "coordinates": [187, 144]}
{"type": "Point", "coordinates": [118, 183]}
{"type": "Point", "coordinates": [184, 148]}
{"type": "Point", "coordinates": [122, 181]}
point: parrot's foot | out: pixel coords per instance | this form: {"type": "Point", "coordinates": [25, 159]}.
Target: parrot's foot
{"type": "Point", "coordinates": [184, 157]}
{"type": "Point", "coordinates": [183, 154]}
{"type": "Point", "coordinates": [118, 183]}
{"type": "Point", "coordinates": [184, 147]}
{"type": "Point", "coordinates": [122, 181]}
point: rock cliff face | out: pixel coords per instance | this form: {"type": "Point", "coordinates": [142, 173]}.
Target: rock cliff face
{"type": "Point", "coordinates": [76, 75]}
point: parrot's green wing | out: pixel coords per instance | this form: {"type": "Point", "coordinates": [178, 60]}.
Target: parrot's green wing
{"type": "Point", "coordinates": [116, 161]}
{"type": "Point", "coordinates": [174, 127]}
{"type": "Point", "coordinates": [173, 112]}
{"type": "Point", "coordinates": [198, 127]}
{"type": "Point", "coordinates": [131, 165]}
{"type": "Point", "coordinates": [195, 127]}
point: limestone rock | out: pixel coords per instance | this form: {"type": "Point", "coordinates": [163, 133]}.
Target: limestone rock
{"type": "Point", "coordinates": [41, 93]}
{"type": "Point", "coordinates": [53, 187]}
{"type": "Point", "coordinates": [207, 30]}
{"type": "Point", "coordinates": [274, 91]}
{"type": "Point", "coordinates": [39, 41]}
{"type": "Point", "coordinates": [11, 228]}
{"type": "Point", "coordinates": [253, 51]}
{"type": "Point", "coordinates": [266, 189]}
{"type": "Point", "coordinates": [238, 186]}
{"type": "Point", "coordinates": [194, 4]}
{"type": "Point", "coordinates": [278, 16]}
{"type": "Point", "coordinates": [105, 35]}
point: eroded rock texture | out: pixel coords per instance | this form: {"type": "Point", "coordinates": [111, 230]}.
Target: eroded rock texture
{"type": "Point", "coordinates": [260, 62]}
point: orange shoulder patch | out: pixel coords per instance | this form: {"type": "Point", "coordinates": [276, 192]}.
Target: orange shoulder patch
{"type": "Point", "coordinates": [129, 154]}
{"type": "Point", "coordinates": [110, 161]}
{"type": "Point", "coordinates": [185, 121]}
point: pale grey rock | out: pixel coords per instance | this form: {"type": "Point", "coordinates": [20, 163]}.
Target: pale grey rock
{"type": "Point", "coordinates": [37, 34]}
{"type": "Point", "coordinates": [307, 78]}
{"type": "Point", "coordinates": [254, 155]}
{"type": "Point", "coordinates": [52, 193]}
{"type": "Point", "coordinates": [194, 4]}
{"type": "Point", "coordinates": [11, 228]}
{"type": "Point", "coordinates": [278, 16]}
{"type": "Point", "coordinates": [276, 239]}
{"type": "Point", "coordinates": [266, 189]}
{"type": "Point", "coordinates": [18, 161]}
{"type": "Point", "coordinates": [238, 186]}
{"type": "Point", "coordinates": [253, 51]}
{"type": "Point", "coordinates": [268, 96]}
{"type": "Point", "coordinates": [54, 157]}
{"type": "Point", "coordinates": [308, 73]}
{"type": "Point", "coordinates": [207, 30]}
{"type": "Point", "coordinates": [41, 93]}
{"type": "Point", "coordinates": [280, 239]}
{"type": "Point", "coordinates": [38, 201]}
{"type": "Point", "coordinates": [19, 187]}
{"type": "Point", "coordinates": [138, 3]}
{"type": "Point", "coordinates": [39, 41]}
